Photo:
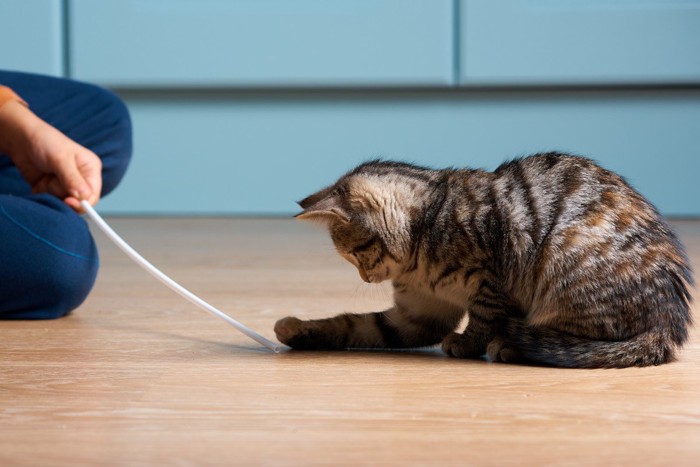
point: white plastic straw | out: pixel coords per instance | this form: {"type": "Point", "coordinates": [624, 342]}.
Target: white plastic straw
{"type": "Point", "coordinates": [155, 272]}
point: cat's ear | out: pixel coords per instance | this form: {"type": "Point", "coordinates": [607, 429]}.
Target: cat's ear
{"type": "Point", "coordinates": [316, 197]}
{"type": "Point", "coordinates": [323, 205]}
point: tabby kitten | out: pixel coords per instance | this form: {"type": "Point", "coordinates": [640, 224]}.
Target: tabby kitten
{"type": "Point", "coordinates": [556, 261]}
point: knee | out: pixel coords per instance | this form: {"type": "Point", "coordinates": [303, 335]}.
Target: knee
{"type": "Point", "coordinates": [58, 287]}
{"type": "Point", "coordinates": [62, 286]}
{"type": "Point", "coordinates": [50, 260]}
{"type": "Point", "coordinates": [116, 146]}
{"type": "Point", "coordinates": [104, 128]}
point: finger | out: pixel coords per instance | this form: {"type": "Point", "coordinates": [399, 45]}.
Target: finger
{"type": "Point", "coordinates": [75, 204]}
{"type": "Point", "coordinates": [54, 186]}
{"type": "Point", "coordinates": [93, 175]}
{"type": "Point", "coordinates": [71, 179]}
{"type": "Point", "coordinates": [90, 166]}
{"type": "Point", "coordinates": [48, 184]}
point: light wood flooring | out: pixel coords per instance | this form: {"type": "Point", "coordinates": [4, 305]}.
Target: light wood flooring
{"type": "Point", "coordinates": [138, 376]}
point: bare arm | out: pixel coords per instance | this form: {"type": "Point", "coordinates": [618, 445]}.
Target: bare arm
{"type": "Point", "coordinates": [50, 161]}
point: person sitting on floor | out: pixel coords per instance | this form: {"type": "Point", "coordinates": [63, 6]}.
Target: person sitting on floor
{"type": "Point", "coordinates": [61, 141]}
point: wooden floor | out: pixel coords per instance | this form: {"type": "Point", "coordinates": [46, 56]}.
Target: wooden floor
{"type": "Point", "coordinates": [138, 376]}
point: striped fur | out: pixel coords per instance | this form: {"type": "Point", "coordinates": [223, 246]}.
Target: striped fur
{"type": "Point", "coordinates": [556, 260]}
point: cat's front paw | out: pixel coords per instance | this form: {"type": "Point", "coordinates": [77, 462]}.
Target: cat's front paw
{"type": "Point", "coordinates": [306, 335]}
{"type": "Point", "coordinates": [287, 328]}
{"type": "Point", "coordinates": [460, 346]}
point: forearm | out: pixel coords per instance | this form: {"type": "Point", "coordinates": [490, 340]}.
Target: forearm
{"type": "Point", "coordinates": [7, 95]}
{"type": "Point", "coordinates": [16, 122]}
{"type": "Point", "coordinates": [49, 160]}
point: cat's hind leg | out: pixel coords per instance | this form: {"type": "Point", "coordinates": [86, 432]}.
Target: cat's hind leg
{"type": "Point", "coordinates": [482, 328]}
{"type": "Point", "coordinates": [500, 350]}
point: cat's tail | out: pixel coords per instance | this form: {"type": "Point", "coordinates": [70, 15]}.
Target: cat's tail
{"type": "Point", "coordinates": [550, 347]}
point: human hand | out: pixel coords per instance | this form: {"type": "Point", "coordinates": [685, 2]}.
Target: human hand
{"type": "Point", "coordinates": [49, 160]}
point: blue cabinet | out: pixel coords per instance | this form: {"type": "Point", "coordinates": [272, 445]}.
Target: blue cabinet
{"type": "Point", "coordinates": [31, 36]}
{"type": "Point", "coordinates": [579, 42]}
{"type": "Point", "coordinates": [251, 122]}
{"type": "Point", "coordinates": [262, 43]}
{"type": "Point", "coordinates": [398, 43]}
{"type": "Point", "coordinates": [258, 152]}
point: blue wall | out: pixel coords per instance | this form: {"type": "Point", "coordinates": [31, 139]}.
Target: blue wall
{"type": "Point", "coordinates": [256, 152]}
{"type": "Point", "coordinates": [243, 106]}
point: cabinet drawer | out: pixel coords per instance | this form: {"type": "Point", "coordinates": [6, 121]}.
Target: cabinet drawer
{"type": "Point", "coordinates": [575, 42]}
{"type": "Point", "coordinates": [31, 36]}
{"type": "Point", "coordinates": [194, 43]}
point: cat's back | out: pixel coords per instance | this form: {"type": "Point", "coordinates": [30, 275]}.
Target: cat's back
{"type": "Point", "coordinates": [555, 187]}
{"type": "Point", "coordinates": [554, 194]}
{"type": "Point", "coordinates": [589, 232]}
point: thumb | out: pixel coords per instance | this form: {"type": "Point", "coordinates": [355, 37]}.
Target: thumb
{"type": "Point", "coordinates": [72, 180]}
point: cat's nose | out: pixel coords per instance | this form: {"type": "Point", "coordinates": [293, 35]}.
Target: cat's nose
{"type": "Point", "coordinates": [363, 275]}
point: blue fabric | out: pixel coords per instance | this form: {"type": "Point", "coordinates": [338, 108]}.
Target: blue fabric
{"type": "Point", "coordinates": [48, 259]}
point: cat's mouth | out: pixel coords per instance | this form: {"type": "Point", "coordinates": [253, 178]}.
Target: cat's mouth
{"type": "Point", "coordinates": [364, 276]}
{"type": "Point", "coordinates": [375, 277]}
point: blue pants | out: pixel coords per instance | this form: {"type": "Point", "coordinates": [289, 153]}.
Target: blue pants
{"type": "Point", "coordinates": [48, 259]}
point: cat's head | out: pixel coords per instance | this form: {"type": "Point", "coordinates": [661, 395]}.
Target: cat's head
{"type": "Point", "coordinates": [369, 213]}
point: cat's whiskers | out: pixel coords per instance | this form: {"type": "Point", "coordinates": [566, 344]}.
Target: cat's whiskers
{"type": "Point", "coordinates": [372, 292]}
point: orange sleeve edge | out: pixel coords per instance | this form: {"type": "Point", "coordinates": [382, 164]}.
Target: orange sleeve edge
{"type": "Point", "coordinates": [7, 95]}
